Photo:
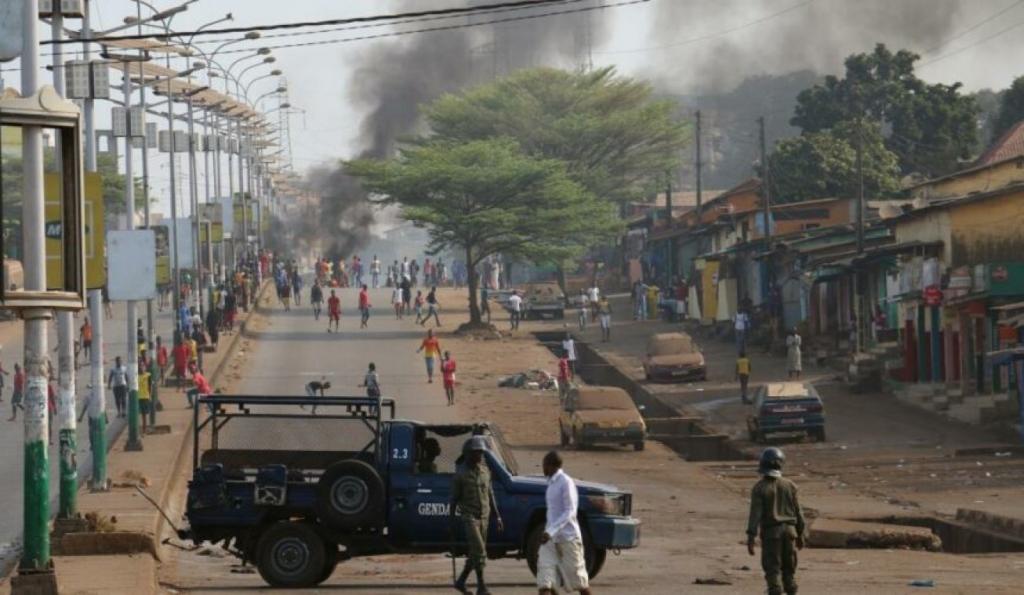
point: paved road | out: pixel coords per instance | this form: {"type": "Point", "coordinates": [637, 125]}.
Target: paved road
{"type": "Point", "coordinates": [11, 433]}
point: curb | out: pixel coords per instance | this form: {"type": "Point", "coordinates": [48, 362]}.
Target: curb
{"type": "Point", "coordinates": [186, 442]}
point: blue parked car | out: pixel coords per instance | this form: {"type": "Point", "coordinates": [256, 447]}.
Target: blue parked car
{"type": "Point", "coordinates": [787, 407]}
{"type": "Point", "coordinates": [295, 492]}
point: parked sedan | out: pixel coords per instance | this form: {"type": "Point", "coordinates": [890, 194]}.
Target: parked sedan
{"type": "Point", "coordinates": [600, 415]}
{"type": "Point", "coordinates": [787, 407]}
{"type": "Point", "coordinates": [674, 357]}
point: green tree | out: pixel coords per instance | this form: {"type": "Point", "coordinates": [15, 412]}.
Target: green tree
{"type": "Point", "coordinates": [929, 127]}
{"type": "Point", "coordinates": [486, 197]}
{"type": "Point", "coordinates": [824, 164]}
{"type": "Point", "coordinates": [114, 186]}
{"type": "Point", "coordinates": [1011, 107]}
{"type": "Point", "coordinates": [614, 138]}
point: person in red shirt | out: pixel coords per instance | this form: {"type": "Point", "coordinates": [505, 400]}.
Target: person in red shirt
{"type": "Point", "coordinates": [201, 387]}
{"type": "Point", "coordinates": [181, 354]}
{"type": "Point", "coordinates": [364, 306]}
{"type": "Point", "coordinates": [19, 392]}
{"type": "Point", "coordinates": [564, 375]}
{"type": "Point", "coordinates": [161, 357]}
{"type": "Point", "coordinates": [333, 312]}
{"type": "Point", "coordinates": [448, 375]}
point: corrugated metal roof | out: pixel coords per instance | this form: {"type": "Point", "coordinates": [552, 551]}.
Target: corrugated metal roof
{"type": "Point", "coordinates": [1009, 145]}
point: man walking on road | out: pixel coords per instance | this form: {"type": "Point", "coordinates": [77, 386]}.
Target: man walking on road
{"type": "Point", "coordinates": [604, 313]}
{"type": "Point", "coordinates": [473, 497]}
{"type": "Point", "coordinates": [564, 376]}
{"type": "Point", "coordinates": [316, 299]}
{"type": "Point", "coordinates": [448, 375]}
{"type": "Point", "coordinates": [431, 349]}
{"type": "Point", "coordinates": [569, 346]}
{"type": "Point", "coordinates": [561, 545]}
{"type": "Point", "coordinates": [432, 306]}
{"type": "Point", "coordinates": [333, 312]}
{"type": "Point", "coordinates": [118, 381]}
{"type": "Point", "coordinates": [515, 308]}
{"type": "Point", "coordinates": [375, 271]}
{"type": "Point", "coordinates": [775, 513]}
{"type": "Point", "coordinates": [364, 306]}
{"type": "Point", "coordinates": [19, 392]}
{"type": "Point", "coordinates": [85, 337]}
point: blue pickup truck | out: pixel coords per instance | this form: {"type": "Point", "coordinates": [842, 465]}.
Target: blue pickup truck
{"type": "Point", "coordinates": [295, 490]}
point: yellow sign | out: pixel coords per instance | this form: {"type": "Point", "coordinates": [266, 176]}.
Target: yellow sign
{"type": "Point", "coordinates": [217, 232]}
{"type": "Point", "coordinates": [95, 232]}
{"type": "Point", "coordinates": [240, 227]}
{"type": "Point", "coordinates": [163, 254]}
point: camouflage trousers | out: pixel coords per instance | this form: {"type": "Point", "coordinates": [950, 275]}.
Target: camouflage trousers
{"type": "Point", "coordinates": [779, 559]}
{"type": "Point", "coordinates": [475, 531]}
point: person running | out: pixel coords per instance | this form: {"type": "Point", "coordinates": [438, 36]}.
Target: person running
{"type": "Point", "coordinates": [432, 306]}
{"type": "Point", "coordinates": [316, 299]}
{"type": "Point", "coordinates": [333, 312]}
{"type": "Point", "coordinates": [297, 286]}
{"type": "Point", "coordinates": [396, 301]}
{"type": "Point", "coordinates": [417, 306]}
{"type": "Point", "coordinates": [19, 392]}
{"type": "Point", "coordinates": [604, 314]}
{"type": "Point", "coordinates": [431, 349]}
{"type": "Point", "coordinates": [364, 306]}
{"type": "Point", "coordinates": [118, 381]}
{"type": "Point", "coordinates": [448, 376]}
{"type": "Point", "coordinates": [85, 337]}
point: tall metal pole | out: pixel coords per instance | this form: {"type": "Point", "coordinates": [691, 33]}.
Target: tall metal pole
{"type": "Point", "coordinates": [860, 186]}
{"type": "Point", "coordinates": [145, 195]}
{"type": "Point", "coordinates": [134, 442]}
{"type": "Point", "coordinates": [65, 344]}
{"type": "Point", "coordinates": [193, 195]}
{"type": "Point", "coordinates": [36, 540]}
{"type": "Point", "coordinates": [699, 167]}
{"type": "Point", "coordinates": [766, 197]}
{"type": "Point", "coordinates": [175, 270]}
{"type": "Point", "coordinates": [98, 397]}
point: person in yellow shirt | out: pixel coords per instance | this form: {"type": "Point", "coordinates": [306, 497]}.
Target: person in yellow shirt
{"type": "Point", "coordinates": [145, 400]}
{"type": "Point", "coordinates": [743, 369]}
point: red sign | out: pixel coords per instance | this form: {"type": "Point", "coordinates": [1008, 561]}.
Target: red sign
{"type": "Point", "coordinates": [932, 295]}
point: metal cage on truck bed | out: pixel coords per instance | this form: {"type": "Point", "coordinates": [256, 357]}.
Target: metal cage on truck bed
{"type": "Point", "coordinates": [303, 432]}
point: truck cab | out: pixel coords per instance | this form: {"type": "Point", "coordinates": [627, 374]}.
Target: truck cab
{"type": "Point", "coordinates": [301, 484]}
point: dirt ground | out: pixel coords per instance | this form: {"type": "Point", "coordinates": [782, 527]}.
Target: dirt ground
{"type": "Point", "coordinates": [693, 513]}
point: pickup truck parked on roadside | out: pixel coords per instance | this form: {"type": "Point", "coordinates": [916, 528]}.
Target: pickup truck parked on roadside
{"type": "Point", "coordinates": [295, 493]}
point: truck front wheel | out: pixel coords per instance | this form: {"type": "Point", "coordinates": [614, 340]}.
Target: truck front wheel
{"type": "Point", "coordinates": [291, 555]}
{"type": "Point", "coordinates": [592, 556]}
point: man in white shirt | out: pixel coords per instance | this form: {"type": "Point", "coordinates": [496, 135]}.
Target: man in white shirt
{"type": "Point", "coordinates": [594, 295]}
{"type": "Point", "coordinates": [569, 345]}
{"type": "Point", "coordinates": [742, 325]}
{"type": "Point", "coordinates": [561, 550]}
{"type": "Point", "coordinates": [515, 308]}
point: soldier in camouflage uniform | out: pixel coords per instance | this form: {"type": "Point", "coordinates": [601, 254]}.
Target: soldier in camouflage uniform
{"type": "Point", "coordinates": [775, 514]}
{"type": "Point", "coordinates": [473, 496]}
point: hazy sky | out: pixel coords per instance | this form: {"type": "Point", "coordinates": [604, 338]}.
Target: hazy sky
{"type": "Point", "coordinates": [690, 46]}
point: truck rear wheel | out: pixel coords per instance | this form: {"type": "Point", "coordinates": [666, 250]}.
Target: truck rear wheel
{"type": "Point", "coordinates": [291, 555]}
{"type": "Point", "coordinates": [349, 496]}
{"type": "Point", "coordinates": [592, 556]}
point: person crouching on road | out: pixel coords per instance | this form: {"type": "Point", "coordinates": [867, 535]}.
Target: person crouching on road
{"type": "Point", "coordinates": [561, 545]}
{"type": "Point", "coordinates": [775, 513]}
{"type": "Point", "coordinates": [473, 497]}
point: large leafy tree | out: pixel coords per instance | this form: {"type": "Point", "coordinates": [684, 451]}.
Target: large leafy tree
{"type": "Point", "coordinates": [486, 197]}
{"type": "Point", "coordinates": [1011, 107]}
{"type": "Point", "coordinates": [930, 127]}
{"type": "Point", "coordinates": [615, 139]}
{"type": "Point", "coordinates": [824, 164]}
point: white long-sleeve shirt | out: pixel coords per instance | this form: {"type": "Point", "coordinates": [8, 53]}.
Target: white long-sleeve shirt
{"type": "Point", "coordinates": [562, 502]}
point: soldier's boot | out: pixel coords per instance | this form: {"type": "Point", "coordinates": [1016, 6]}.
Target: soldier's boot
{"type": "Point", "coordinates": [481, 586]}
{"type": "Point", "coordinates": [460, 583]}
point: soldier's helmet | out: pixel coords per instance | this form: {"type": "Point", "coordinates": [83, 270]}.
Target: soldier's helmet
{"type": "Point", "coordinates": [478, 443]}
{"type": "Point", "coordinates": [771, 462]}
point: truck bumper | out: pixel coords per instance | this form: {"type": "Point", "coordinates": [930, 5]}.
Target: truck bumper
{"type": "Point", "coordinates": [614, 533]}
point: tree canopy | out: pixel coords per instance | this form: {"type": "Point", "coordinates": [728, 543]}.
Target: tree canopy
{"type": "Point", "coordinates": [614, 138]}
{"type": "Point", "coordinates": [1011, 107]}
{"type": "Point", "coordinates": [824, 164]}
{"type": "Point", "coordinates": [929, 127]}
{"type": "Point", "coordinates": [486, 197]}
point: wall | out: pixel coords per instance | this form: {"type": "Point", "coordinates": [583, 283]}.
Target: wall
{"type": "Point", "coordinates": [983, 180]}
{"type": "Point", "coordinates": [930, 227]}
{"type": "Point", "coordinates": [988, 231]}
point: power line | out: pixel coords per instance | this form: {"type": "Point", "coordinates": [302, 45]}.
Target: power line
{"type": "Point", "coordinates": [328, 22]}
{"type": "Point", "coordinates": [445, 27]}
{"type": "Point", "coordinates": [973, 27]}
{"type": "Point", "coordinates": [714, 35]}
{"type": "Point", "coordinates": [969, 46]}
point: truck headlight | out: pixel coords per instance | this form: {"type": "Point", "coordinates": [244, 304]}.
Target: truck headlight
{"type": "Point", "coordinates": [613, 504]}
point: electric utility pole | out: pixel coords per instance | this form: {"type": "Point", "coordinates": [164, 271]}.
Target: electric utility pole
{"type": "Point", "coordinates": [766, 198]}
{"type": "Point", "coordinates": [698, 166]}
